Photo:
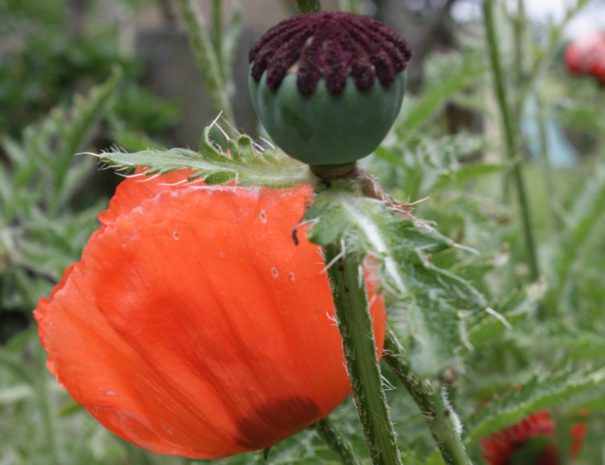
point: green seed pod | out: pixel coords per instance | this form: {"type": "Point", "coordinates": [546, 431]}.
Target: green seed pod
{"type": "Point", "coordinates": [327, 87]}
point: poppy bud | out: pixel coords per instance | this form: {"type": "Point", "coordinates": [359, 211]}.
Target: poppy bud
{"type": "Point", "coordinates": [328, 86]}
{"type": "Point", "coordinates": [194, 324]}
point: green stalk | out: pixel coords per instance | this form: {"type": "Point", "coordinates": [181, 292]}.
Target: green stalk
{"type": "Point", "coordinates": [308, 6]}
{"type": "Point", "coordinates": [355, 325]}
{"type": "Point", "coordinates": [45, 409]}
{"type": "Point", "coordinates": [335, 441]}
{"type": "Point", "coordinates": [217, 34]}
{"type": "Point", "coordinates": [541, 61]}
{"type": "Point", "coordinates": [510, 140]}
{"type": "Point", "coordinates": [206, 58]}
{"type": "Point", "coordinates": [520, 22]}
{"type": "Point", "coordinates": [430, 401]}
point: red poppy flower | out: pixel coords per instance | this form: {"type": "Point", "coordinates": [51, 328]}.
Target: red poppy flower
{"type": "Point", "coordinates": [529, 442]}
{"type": "Point", "coordinates": [587, 56]}
{"type": "Point", "coordinates": [193, 325]}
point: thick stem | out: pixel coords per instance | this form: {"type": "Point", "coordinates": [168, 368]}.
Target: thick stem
{"type": "Point", "coordinates": [205, 57]}
{"type": "Point", "coordinates": [308, 6]}
{"type": "Point", "coordinates": [336, 442]}
{"type": "Point", "coordinates": [355, 325]}
{"type": "Point", "coordinates": [441, 419]}
{"type": "Point", "coordinates": [510, 140]}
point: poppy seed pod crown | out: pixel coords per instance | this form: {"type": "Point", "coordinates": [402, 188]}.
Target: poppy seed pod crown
{"type": "Point", "coordinates": [328, 86]}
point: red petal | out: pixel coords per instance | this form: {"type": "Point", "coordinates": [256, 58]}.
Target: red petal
{"type": "Point", "coordinates": [194, 326]}
{"type": "Point", "coordinates": [132, 192]}
{"type": "Point", "coordinates": [498, 448]}
{"type": "Point", "coordinates": [572, 60]}
{"type": "Point", "coordinates": [578, 432]}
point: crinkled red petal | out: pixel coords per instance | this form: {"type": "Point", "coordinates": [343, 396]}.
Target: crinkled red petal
{"type": "Point", "coordinates": [193, 325]}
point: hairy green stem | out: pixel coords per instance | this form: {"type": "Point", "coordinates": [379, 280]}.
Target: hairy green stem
{"type": "Point", "coordinates": [442, 421]}
{"type": "Point", "coordinates": [510, 140]}
{"type": "Point", "coordinates": [355, 325]}
{"type": "Point", "coordinates": [308, 6]}
{"type": "Point", "coordinates": [45, 409]}
{"type": "Point", "coordinates": [206, 58]}
{"type": "Point", "coordinates": [335, 441]}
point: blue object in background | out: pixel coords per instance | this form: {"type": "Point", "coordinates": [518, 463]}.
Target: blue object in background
{"type": "Point", "coordinates": [560, 151]}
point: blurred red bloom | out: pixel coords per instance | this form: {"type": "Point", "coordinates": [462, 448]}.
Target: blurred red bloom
{"type": "Point", "coordinates": [532, 434]}
{"type": "Point", "coordinates": [586, 56]}
{"type": "Point", "coordinates": [578, 432]}
{"type": "Point", "coordinates": [193, 325]}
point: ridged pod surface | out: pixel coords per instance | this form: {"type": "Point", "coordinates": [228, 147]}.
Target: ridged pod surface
{"type": "Point", "coordinates": [328, 86]}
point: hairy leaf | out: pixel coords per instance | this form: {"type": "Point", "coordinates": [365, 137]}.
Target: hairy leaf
{"type": "Point", "coordinates": [432, 302]}
{"type": "Point", "coordinates": [242, 161]}
{"type": "Point", "coordinates": [426, 162]}
{"type": "Point", "coordinates": [585, 217]}
{"type": "Point", "coordinates": [39, 234]}
{"type": "Point", "coordinates": [42, 164]}
{"type": "Point", "coordinates": [489, 326]}
{"type": "Point", "coordinates": [539, 393]}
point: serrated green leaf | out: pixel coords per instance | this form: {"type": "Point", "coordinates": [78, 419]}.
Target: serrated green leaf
{"type": "Point", "coordinates": [42, 166]}
{"type": "Point", "coordinates": [578, 344]}
{"type": "Point", "coordinates": [243, 162]}
{"type": "Point", "coordinates": [85, 113]}
{"type": "Point", "coordinates": [430, 300]}
{"type": "Point", "coordinates": [489, 326]}
{"type": "Point", "coordinates": [585, 217]}
{"type": "Point", "coordinates": [425, 162]}
{"type": "Point", "coordinates": [468, 173]}
{"type": "Point", "coordinates": [453, 78]}
{"type": "Point", "coordinates": [540, 393]}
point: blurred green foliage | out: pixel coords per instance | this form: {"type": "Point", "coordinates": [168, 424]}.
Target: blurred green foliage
{"type": "Point", "coordinates": [543, 349]}
{"type": "Point", "coordinates": [48, 198]}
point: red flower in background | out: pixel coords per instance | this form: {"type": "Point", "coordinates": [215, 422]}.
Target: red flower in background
{"type": "Point", "coordinates": [193, 325]}
{"type": "Point", "coordinates": [586, 56]}
{"type": "Point", "coordinates": [529, 442]}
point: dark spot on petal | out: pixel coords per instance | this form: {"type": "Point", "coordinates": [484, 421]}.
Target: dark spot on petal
{"type": "Point", "coordinates": [275, 421]}
{"type": "Point", "coordinates": [295, 236]}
